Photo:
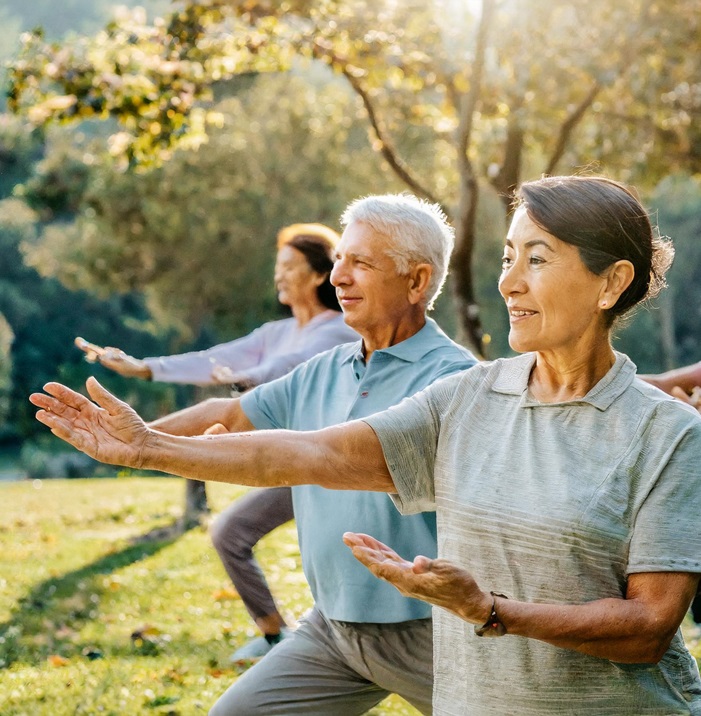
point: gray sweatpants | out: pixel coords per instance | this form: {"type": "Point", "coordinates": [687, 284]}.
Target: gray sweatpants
{"type": "Point", "coordinates": [236, 531]}
{"type": "Point", "coordinates": [329, 668]}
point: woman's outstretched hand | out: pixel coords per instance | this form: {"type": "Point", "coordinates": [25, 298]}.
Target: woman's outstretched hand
{"type": "Point", "coordinates": [107, 429]}
{"type": "Point", "coordinates": [115, 359]}
{"type": "Point", "coordinates": [436, 581]}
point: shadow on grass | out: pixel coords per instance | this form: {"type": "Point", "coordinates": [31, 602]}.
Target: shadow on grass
{"type": "Point", "coordinates": [46, 621]}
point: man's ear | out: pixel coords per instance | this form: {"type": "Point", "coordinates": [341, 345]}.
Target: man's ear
{"type": "Point", "coordinates": [419, 278]}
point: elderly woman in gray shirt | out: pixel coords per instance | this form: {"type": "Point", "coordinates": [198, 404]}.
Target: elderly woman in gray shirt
{"type": "Point", "coordinates": [566, 488]}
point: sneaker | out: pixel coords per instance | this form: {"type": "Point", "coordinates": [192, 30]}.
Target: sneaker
{"type": "Point", "coordinates": [257, 648]}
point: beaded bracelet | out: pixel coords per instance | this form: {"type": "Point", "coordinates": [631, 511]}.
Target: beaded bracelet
{"type": "Point", "coordinates": [493, 626]}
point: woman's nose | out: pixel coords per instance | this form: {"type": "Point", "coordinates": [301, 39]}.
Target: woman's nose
{"type": "Point", "coordinates": [510, 281]}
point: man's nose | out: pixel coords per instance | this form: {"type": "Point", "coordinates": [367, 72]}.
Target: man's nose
{"type": "Point", "coordinates": [339, 275]}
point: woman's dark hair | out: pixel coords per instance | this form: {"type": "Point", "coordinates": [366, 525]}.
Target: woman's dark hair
{"type": "Point", "coordinates": [607, 223]}
{"type": "Point", "coordinates": [318, 244]}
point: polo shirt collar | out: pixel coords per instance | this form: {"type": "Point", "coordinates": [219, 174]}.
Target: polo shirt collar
{"type": "Point", "coordinates": [412, 349]}
{"type": "Point", "coordinates": [514, 373]}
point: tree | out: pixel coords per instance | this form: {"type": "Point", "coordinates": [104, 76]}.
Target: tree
{"type": "Point", "coordinates": [516, 90]}
{"type": "Point", "coordinates": [6, 338]}
{"type": "Point", "coordinates": [195, 234]}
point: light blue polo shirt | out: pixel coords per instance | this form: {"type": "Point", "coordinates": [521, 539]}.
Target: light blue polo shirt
{"type": "Point", "coordinates": [329, 389]}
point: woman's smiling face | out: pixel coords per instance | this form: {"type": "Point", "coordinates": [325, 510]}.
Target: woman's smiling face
{"type": "Point", "coordinates": [551, 296]}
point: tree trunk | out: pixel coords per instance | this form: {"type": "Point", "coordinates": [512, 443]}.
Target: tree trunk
{"type": "Point", "coordinates": [667, 340]}
{"type": "Point", "coordinates": [196, 505]}
{"type": "Point", "coordinates": [469, 324]}
{"type": "Point", "coordinates": [470, 331]}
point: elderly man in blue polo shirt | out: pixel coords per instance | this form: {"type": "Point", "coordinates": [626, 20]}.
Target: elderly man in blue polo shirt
{"type": "Point", "coordinates": [362, 640]}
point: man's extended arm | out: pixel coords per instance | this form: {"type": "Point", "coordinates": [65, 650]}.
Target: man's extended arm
{"type": "Point", "coordinates": [196, 419]}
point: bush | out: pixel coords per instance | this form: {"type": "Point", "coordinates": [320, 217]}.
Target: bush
{"type": "Point", "coordinates": [41, 462]}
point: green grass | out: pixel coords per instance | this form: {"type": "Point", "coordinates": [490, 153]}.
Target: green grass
{"type": "Point", "coordinates": [96, 619]}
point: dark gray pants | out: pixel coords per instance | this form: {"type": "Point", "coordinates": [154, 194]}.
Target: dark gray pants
{"type": "Point", "coordinates": [329, 668]}
{"type": "Point", "coordinates": [236, 531]}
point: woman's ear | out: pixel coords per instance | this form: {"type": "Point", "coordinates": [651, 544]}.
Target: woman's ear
{"type": "Point", "coordinates": [419, 279]}
{"type": "Point", "coordinates": [618, 277]}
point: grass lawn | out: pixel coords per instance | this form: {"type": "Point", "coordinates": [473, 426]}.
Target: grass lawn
{"type": "Point", "coordinates": [94, 619]}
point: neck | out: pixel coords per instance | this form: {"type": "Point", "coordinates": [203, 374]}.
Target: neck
{"type": "Point", "coordinates": [557, 377]}
{"type": "Point", "coordinates": [303, 313]}
{"type": "Point", "coordinates": [387, 335]}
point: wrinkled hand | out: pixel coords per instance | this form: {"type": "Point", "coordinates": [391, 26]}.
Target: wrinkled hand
{"type": "Point", "coordinates": [436, 581]}
{"type": "Point", "coordinates": [694, 400]}
{"type": "Point", "coordinates": [115, 359]}
{"type": "Point", "coordinates": [108, 429]}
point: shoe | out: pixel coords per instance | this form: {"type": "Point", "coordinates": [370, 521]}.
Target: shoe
{"type": "Point", "coordinates": [257, 648]}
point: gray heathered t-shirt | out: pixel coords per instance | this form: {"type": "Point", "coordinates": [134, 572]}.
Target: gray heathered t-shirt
{"type": "Point", "coordinates": [553, 503]}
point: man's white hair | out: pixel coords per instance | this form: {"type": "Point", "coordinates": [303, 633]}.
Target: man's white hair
{"type": "Point", "coordinates": [417, 232]}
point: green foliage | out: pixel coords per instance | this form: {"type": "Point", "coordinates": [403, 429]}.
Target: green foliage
{"type": "Point", "coordinates": [197, 233]}
{"type": "Point", "coordinates": [20, 149]}
{"type": "Point", "coordinates": [667, 333]}
{"type": "Point", "coordinates": [104, 610]}
{"type": "Point", "coordinates": [44, 317]}
{"type": "Point", "coordinates": [678, 202]}
{"type": "Point", "coordinates": [624, 79]}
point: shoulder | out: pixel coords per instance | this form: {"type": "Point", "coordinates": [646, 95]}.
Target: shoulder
{"type": "Point", "coordinates": [282, 325]}
{"type": "Point", "coordinates": [661, 406]}
{"type": "Point", "coordinates": [478, 377]}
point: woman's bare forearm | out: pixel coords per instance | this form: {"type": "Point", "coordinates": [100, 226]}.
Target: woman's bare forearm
{"type": "Point", "coordinates": [345, 457]}
{"type": "Point", "coordinates": [637, 629]}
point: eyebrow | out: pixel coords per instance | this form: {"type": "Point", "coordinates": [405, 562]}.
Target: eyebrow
{"type": "Point", "coordinates": [352, 255]}
{"type": "Point", "coordinates": [530, 244]}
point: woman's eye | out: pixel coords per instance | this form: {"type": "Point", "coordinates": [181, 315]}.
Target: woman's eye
{"type": "Point", "coordinates": [505, 261]}
{"type": "Point", "coordinates": [536, 260]}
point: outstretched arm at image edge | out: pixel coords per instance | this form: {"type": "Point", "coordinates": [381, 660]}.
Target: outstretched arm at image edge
{"type": "Point", "coordinates": [685, 378]}
{"type": "Point", "coordinates": [636, 629]}
{"type": "Point", "coordinates": [106, 428]}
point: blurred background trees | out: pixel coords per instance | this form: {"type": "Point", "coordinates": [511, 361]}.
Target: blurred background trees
{"type": "Point", "coordinates": [152, 160]}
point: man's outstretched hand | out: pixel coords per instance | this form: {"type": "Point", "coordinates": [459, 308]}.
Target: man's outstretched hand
{"type": "Point", "coordinates": [107, 429]}
{"type": "Point", "coordinates": [436, 581]}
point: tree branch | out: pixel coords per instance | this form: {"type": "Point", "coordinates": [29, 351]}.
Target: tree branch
{"type": "Point", "coordinates": [568, 126]}
{"type": "Point", "coordinates": [576, 116]}
{"type": "Point", "coordinates": [386, 146]}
